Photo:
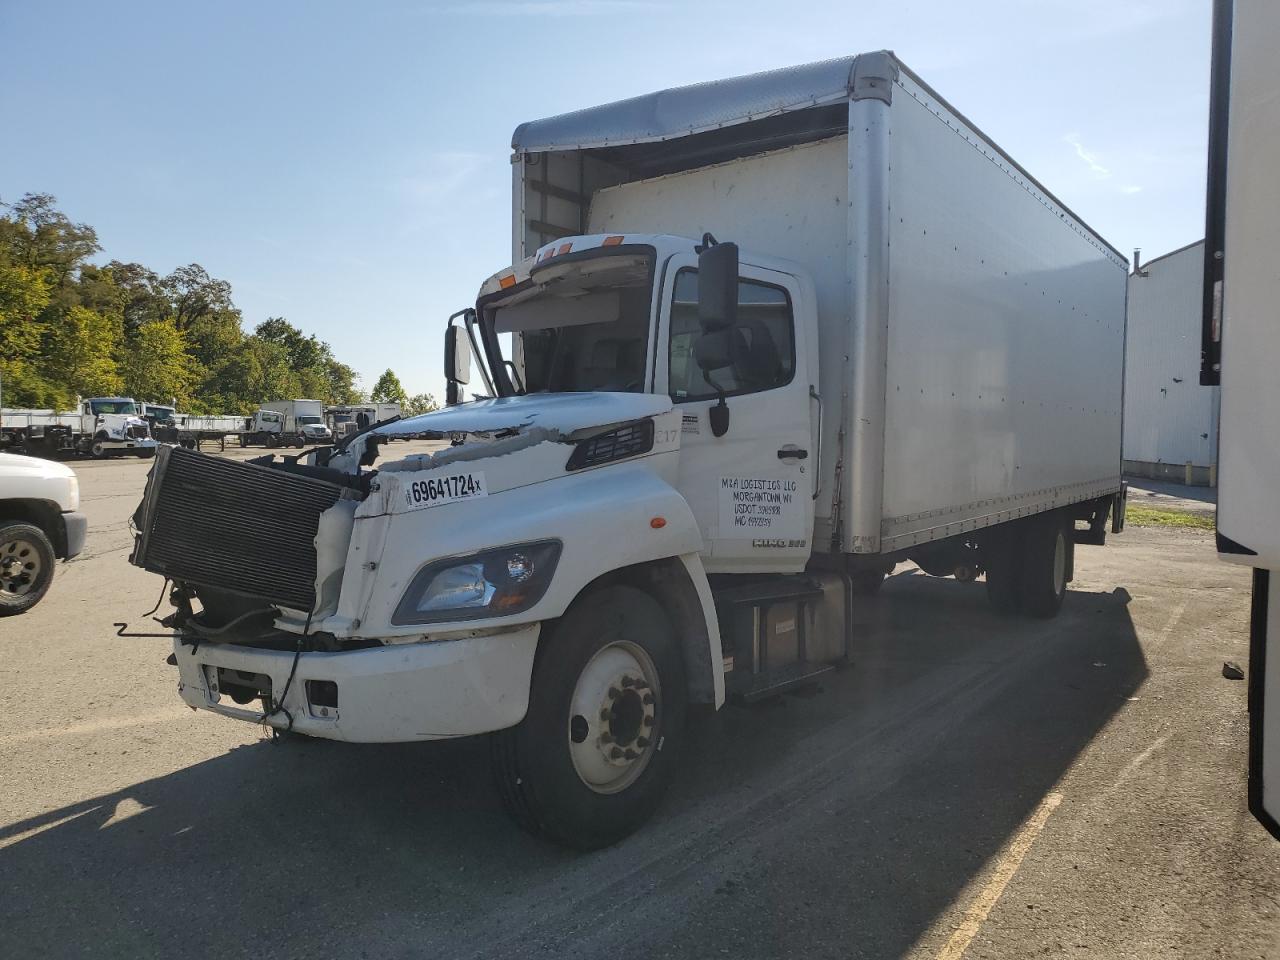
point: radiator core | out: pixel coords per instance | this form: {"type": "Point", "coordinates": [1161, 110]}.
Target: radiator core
{"type": "Point", "coordinates": [241, 527]}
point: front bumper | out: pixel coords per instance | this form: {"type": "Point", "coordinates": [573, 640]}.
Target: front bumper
{"type": "Point", "coordinates": [74, 525]}
{"type": "Point", "coordinates": [414, 691]}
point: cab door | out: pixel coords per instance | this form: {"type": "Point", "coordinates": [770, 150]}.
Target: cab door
{"type": "Point", "coordinates": [751, 489]}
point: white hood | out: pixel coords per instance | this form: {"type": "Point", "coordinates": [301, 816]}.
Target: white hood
{"type": "Point", "coordinates": [563, 413]}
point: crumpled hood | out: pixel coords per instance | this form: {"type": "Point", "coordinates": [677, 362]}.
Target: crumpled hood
{"type": "Point", "coordinates": [563, 413]}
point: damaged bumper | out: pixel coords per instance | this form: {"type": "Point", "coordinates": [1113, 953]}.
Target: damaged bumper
{"type": "Point", "coordinates": [413, 691]}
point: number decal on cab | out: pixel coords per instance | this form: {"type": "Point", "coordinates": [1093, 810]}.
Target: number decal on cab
{"type": "Point", "coordinates": [446, 488]}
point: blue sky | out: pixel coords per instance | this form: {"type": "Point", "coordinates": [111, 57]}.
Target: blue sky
{"type": "Point", "coordinates": [345, 165]}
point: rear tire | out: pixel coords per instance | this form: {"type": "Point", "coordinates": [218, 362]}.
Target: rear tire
{"type": "Point", "coordinates": [26, 566]}
{"type": "Point", "coordinates": [1047, 558]}
{"type": "Point", "coordinates": [593, 756]}
{"type": "Point", "coordinates": [1002, 557]}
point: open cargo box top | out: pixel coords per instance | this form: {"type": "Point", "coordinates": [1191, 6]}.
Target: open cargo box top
{"type": "Point", "coordinates": [560, 162]}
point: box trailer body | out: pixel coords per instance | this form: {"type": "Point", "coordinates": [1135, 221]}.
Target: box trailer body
{"type": "Point", "coordinates": [970, 326]}
{"type": "Point", "coordinates": [1170, 423]}
{"type": "Point", "coordinates": [1241, 340]}
{"type": "Point", "coordinates": [695, 453]}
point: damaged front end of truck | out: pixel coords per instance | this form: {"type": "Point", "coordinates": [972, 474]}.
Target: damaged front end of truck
{"type": "Point", "coordinates": [333, 598]}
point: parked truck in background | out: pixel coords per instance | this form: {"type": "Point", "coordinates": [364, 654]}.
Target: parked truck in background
{"type": "Point", "coordinates": [697, 454]}
{"type": "Point", "coordinates": [1240, 344]}
{"type": "Point", "coordinates": [100, 427]}
{"type": "Point", "coordinates": [284, 422]}
{"type": "Point", "coordinates": [344, 420]}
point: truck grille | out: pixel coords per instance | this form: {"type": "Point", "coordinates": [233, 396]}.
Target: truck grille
{"type": "Point", "coordinates": [240, 527]}
{"type": "Point", "coordinates": [137, 432]}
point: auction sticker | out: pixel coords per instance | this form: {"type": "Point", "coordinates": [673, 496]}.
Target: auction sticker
{"type": "Point", "coordinates": [760, 508]}
{"type": "Point", "coordinates": [447, 488]}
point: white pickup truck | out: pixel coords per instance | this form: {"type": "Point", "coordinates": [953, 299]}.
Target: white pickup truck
{"type": "Point", "coordinates": [695, 456]}
{"type": "Point", "coordinates": [40, 523]}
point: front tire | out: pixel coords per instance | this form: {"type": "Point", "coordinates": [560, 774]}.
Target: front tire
{"type": "Point", "coordinates": [26, 566]}
{"type": "Point", "coordinates": [596, 750]}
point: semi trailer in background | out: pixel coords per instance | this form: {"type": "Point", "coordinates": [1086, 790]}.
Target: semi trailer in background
{"type": "Point", "coordinates": [100, 427]}
{"type": "Point", "coordinates": [761, 341]}
{"type": "Point", "coordinates": [1240, 346]}
{"type": "Point", "coordinates": [277, 424]}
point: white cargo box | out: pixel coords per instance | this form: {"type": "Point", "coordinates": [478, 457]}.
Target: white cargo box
{"type": "Point", "coordinates": [971, 326]}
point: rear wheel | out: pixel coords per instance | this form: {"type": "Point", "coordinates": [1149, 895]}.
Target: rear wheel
{"type": "Point", "coordinates": [1047, 557]}
{"type": "Point", "coordinates": [26, 566]}
{"type": "Point", "coordinates": [1002, 557]}
{"type": "Point", "coordinates": [592, 758]}
{"type": "Point", "coordinates": [98, 450]}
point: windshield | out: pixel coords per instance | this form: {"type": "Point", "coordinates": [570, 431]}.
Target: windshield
{"type": "Point", "coordinates": [161, 413]}
{"type": "Point", "coordinates": [308, 419]}
{"type": "Point", "coordinates": [113, 406]}
{"type": "Point", "coordinates": [583, 325]}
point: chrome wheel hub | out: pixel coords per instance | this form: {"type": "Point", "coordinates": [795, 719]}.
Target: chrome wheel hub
{"type": "Point", "coordinates": [613, 716]}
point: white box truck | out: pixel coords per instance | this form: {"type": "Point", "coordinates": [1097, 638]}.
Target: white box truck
{"type": "Point", "coordinates": [281, 422]}
{"type": "Point", "coordinates": [695, 454]}
{"type": "Point", "coordinates": [1241, 341]}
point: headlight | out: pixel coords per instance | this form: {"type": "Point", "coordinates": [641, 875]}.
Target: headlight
{"type": "Point", "coordinates": [496, 583]}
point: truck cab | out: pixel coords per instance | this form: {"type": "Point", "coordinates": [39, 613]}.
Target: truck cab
{"type": "Point", "coordinates": [620, 313]}
{"type": "Point", "coordinates": [114, 425]}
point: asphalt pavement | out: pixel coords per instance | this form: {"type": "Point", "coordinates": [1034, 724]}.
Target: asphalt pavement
{"type": "Point", "coordinates": [969, 786]}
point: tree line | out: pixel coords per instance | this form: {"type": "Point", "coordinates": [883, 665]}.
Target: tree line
{"type": "Point", "coordinates": [69, 328]}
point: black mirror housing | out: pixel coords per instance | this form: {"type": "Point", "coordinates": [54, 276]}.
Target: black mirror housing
{"type": "Point", "coordinates": [718, 286]}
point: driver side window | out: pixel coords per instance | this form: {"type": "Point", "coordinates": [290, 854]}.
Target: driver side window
{"type": "Point", "coordinates": [762, 347]}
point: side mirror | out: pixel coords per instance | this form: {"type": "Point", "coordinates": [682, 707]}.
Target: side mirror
{"type": "Point", "coordinates": [718, 286]}
{"type": "Point", "coordinates": [457, 362]}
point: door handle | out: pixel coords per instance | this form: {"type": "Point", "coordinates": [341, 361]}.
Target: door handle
{"type": "Point", "coordinates": [792, 453]}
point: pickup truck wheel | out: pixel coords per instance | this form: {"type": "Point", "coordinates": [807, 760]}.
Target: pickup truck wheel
{"type": "Point", "coordinates": [26, 566]}
{"type": "Point", "coordinates": [592, 759]}
{"type": "Point", "coordinates": [1047, 556]}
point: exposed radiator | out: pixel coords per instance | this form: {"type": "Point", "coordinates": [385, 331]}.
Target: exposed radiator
{"type": "Point", "coordinates": [236, 526]}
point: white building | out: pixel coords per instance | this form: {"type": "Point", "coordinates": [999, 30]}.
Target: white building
{"type": "Point", "coordinates": [1170, 421]}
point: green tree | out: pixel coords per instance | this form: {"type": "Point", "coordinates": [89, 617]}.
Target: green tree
{"type": "Point", "coordinates": [79, 355]}
{"type": "Point", "coordinates": [156, 365]}
{"type": "Point", "coordinates": [24, 293]}
{"type": "Point", "coordinates": [388, 390]}
{"type": "Point", "coordinates": [420, 403]}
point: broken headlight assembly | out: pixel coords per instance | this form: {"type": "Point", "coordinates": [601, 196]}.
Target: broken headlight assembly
{"type": "Point", "coordinates": [495, 583]}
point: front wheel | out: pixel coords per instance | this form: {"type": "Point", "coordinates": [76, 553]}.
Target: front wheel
{"type": "Point", "coordinates": [26, 566]}
{"type": "Point", "coordinates": [99, 450]}
{"type": "Point", "coordinates": [593, 756]}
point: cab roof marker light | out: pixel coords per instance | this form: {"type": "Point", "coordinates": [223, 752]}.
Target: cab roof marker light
{"type": "Point", "coordinates": [508, 281]}
{"type": "Point", "coordinates": [564, 248]}
{"type": "Point", "coordinates": [611, 241]}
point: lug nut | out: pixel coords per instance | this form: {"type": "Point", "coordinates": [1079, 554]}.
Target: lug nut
{"type": "Point", "coordinates": [616, 753]}
{"type": "Point", "coordinates": [614, 693]}
{"type": "Point", "coordinates": [648, 699]}
{"type": "Point", "coordinates": [648, 721]}
{"type": "Point", "coordinates": [642, 742]}
{"type": "Point", "coordinates": [604, 715]}
{"type": "Point", "coordinates": [627, 681]}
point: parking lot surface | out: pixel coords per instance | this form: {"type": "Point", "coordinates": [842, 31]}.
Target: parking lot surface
{"type": "Point", "coordinates": [969, 785]}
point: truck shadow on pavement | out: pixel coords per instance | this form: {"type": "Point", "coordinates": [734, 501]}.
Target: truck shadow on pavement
{"type": "Point", "coordinates": [844, 823]}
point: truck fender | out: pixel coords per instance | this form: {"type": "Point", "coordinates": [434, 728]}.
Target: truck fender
{"type": "Point", "coordinates": [630, 525]}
